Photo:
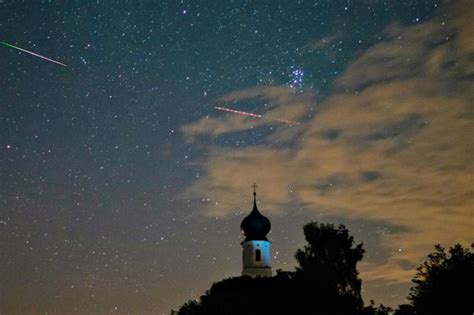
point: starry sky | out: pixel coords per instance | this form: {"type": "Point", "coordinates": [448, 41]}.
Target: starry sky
{"type": "Point", "coordinates": [122, 188]}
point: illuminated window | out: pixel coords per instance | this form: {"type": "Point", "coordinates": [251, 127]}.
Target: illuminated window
{"type": "Point", "coordinates": [258, 255]}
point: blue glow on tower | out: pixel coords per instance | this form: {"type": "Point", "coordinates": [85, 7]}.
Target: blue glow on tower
{"type": "Point", "coordinates": [256, 247]}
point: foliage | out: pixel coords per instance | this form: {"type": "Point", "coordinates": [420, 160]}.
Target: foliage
{"type": "Point", "coordinates": [330, 257]}
{"type": "Point", "coordinates": [405, 309]}
{"type": "Point", "coordinates": [443, 282]}
{"type": "Point", "coordinates": [380, 310]}
{"type": "Point", "coordinates": [325, 283]}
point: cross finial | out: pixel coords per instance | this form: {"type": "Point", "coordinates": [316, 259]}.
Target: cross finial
{"type": "Point", "coordinates": [254, 195]}
{"type": "Point", "coordinates": [254, 186]}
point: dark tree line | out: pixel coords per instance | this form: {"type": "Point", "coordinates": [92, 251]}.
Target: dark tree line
{"type": "Point", "coordinates": [444, 282]}
{"type": "Point", "coordinates": [326, 282]}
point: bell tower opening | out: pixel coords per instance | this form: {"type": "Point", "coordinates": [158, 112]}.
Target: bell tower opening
{"type": "Point", "coordinates": [258, 255]}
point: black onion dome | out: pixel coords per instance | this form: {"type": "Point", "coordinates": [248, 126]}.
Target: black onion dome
{"type": "Point", "coordinates": [255, 226]}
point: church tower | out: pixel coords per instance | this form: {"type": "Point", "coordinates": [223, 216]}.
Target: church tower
{"type": "Point", "coordinates": [256, 246]}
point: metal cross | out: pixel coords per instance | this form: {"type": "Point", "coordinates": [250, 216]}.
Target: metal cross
{"type": "Point", "coordinates": [254, 188]}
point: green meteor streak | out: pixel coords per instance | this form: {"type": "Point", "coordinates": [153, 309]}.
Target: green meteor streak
{"type": "Point", "coordinates": [32, 53]}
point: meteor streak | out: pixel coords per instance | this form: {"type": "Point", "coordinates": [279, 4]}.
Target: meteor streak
{"type": "Point", "coordinates": [32, 53]}
{"type": "Point", "coordinates": [238, 112]}
{"type": "Point", "coordinates": [229, 110]}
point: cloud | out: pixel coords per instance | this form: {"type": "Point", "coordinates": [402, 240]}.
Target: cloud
{"type": "Point", "coordinates": [393, 143]}
{"type": "Point", "coordinates": [280, 103]}
{"type": "Point", "coordinates": [322, 43]}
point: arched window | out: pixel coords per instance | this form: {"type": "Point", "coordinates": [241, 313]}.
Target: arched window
{"type": "Point", "coordinates": [258, 255]}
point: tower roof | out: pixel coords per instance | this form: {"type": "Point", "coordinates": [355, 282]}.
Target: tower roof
{"type": "Point", "coordinates": [255, 226]}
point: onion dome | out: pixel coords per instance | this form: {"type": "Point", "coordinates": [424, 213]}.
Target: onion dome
{"type": "Point", "coordinates": [255, 226]}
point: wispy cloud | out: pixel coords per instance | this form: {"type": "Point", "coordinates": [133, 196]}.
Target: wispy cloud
{"type": "Point", "coordinates": [323, 43]}
{"type": "Point", "coordinates": [392, 143]}
{"type": "Point", "coordinates": [281, 103]}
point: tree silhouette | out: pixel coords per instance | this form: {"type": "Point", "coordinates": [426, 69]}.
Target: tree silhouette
{"type": "Point", "coordinates": [325, 283]}
{"type": "Point", "coordinates": [380, 310]}
{"type": "Point", "coordinates": [329, 262]}
{"type": "Point", "coordinates": [443, 283]}
{"type": "Point", "coordinates": [405, 309]}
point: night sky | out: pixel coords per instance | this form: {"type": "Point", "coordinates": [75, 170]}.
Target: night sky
{"type": "Point", "coordinates": [122, 188]}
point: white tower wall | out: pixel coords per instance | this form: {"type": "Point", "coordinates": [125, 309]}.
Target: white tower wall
{"type": "Point", "coordinates": [256, 258]}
